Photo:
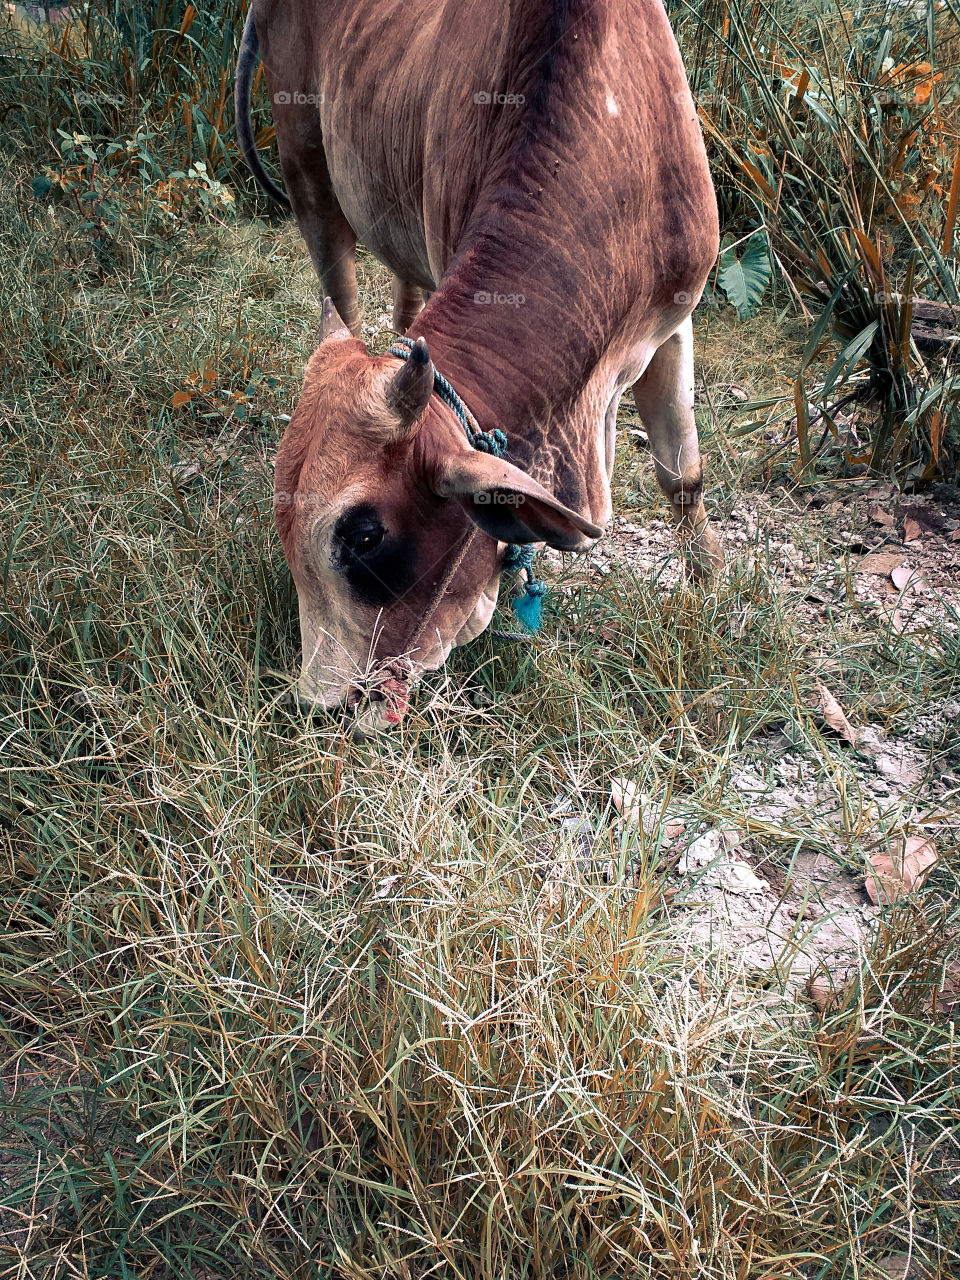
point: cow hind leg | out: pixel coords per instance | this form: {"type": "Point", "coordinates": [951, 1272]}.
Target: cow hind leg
{"type": "Point", "coordinates": [329, 238]}
{"type": "Point", "coordinates": [664, 400]}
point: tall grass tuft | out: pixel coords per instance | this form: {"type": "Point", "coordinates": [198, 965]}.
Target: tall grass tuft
{"type": "Point", "coordinates": [162, 70]}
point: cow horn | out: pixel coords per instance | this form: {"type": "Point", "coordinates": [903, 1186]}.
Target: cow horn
{"type": "Point", "coordinates": [331, 326]}
{"type": "Point", "coordinates": [411, 387]}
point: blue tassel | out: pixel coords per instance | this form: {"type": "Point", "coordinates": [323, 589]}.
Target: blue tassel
{"type": "Point", "coordinates": [529, 606]}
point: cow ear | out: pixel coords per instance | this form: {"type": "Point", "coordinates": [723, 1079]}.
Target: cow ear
{"type": "Point", "coordinates": [331, 326]}
{"type": "Point", "coordinates": [509, 505]}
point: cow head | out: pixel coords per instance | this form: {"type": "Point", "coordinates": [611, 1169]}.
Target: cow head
{"type": "Point", "coordinates": [392, 524]}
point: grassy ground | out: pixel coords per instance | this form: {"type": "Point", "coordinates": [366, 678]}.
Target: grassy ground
{"type": "Point", "coordinates": [281, 1004]}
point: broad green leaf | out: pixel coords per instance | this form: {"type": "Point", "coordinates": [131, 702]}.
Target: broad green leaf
{"type": "Point", "coordinates": [744, 280]}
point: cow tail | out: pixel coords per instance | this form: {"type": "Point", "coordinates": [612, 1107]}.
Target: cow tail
{"type": "Point", "coordinates": [246, 65]}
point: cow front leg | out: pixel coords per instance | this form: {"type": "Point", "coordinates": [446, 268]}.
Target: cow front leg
{"type": "Point", "coordinates": [664, 400]}
{"type": "Point", "coordinates": [407, 304]}
{"type": "Point", "coordinates": [332, 245]}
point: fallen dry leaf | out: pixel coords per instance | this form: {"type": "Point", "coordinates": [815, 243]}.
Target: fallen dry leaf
{"type": "Point", "coordinates": [823, 701]}
{"type": "Point", "coordinates": [880, 563]}
{"type": "Point", "coordinates": [919, 856]}
{"type": "Point", "coordinates": [627, 799]}
{"type": "Point", "coordinates": [928, 518]}
{"type": "Point", "coordinates": [945, 1001]}
{"type": "Point", "coordinates": [955, 536]}
{"type": "Point", "coordinates": [879, 516]}
{"type": "Point", "coordinates": [635, 807]}
{"type": "Point", "coordinates": [821, 990]}
{"type": "Point", "coordinates": [888, 609]}
{"type": "Point", "coordinates": [882, 884]}
{"type": "Point", "coordinates": [899, 871]}
{"type": "Point", "coordinates": [911, 530]}
{"type": "Point", "coordinates": [895, 1266]}
{"type": "Point", "coordinates": [905, 579]}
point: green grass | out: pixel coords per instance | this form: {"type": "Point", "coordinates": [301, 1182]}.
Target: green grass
{"type": "Point", "coordinates": [276, 1003]}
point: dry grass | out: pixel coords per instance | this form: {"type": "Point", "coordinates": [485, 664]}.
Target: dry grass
{"type": "Point", "coordinates": [278, 1003]}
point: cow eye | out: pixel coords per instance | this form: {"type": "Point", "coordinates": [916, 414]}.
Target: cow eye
{"type": "Point", "coordinates": [376, 563]}
{"type": "Point", "coordinates": [363, 539]}
{"type": "Point", "coordinates": [361, 542]}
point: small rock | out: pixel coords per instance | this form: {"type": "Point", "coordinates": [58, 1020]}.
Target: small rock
{"type": "Point", "coordinates": [707, 847]}
{"type": "Point", "coordinates": [734, 876]}
{"type": "Point", "coordinates": [896, 1266]}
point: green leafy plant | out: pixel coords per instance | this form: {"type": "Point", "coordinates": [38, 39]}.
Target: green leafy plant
{"type": "Point", "coordinates": [841, 138]}
{"type": "Point", "coordinates": [163, 69]}
{"type": "Point", "coordinates": [744, 277]}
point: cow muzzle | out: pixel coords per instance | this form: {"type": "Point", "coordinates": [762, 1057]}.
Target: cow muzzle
{"type": "Point", "coordinates": [383, 699]}
{"type": "Point", "coordinates": [377, 702]}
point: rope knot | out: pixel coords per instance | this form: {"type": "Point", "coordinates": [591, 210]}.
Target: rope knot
{"type": "Point", "coordinates": [517, 557]}
{"type": "Point", "coordinates": [492, 442]}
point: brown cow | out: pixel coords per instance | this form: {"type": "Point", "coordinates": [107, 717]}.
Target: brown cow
{"type": "Point", "coordinates": [535, 169]}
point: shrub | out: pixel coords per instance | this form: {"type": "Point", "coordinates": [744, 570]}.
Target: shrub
{"type": "Point", "coordinates": [836, 138]}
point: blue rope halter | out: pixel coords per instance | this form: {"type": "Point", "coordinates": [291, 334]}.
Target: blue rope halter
{"type": "Point", "coordinates": [529, 605]}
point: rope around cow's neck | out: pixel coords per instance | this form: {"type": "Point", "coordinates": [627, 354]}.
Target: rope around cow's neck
{"type": "Point", "coordinates": [528, 606]}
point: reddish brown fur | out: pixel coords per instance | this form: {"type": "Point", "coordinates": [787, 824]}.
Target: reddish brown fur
{"type": "Point", "coordinates": [591, 199]}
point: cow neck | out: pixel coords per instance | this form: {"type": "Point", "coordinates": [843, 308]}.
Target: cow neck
{"type": "Point", "coordinates": [518, 327]}
{"type": "Point", "coordinates": [511, 380]}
